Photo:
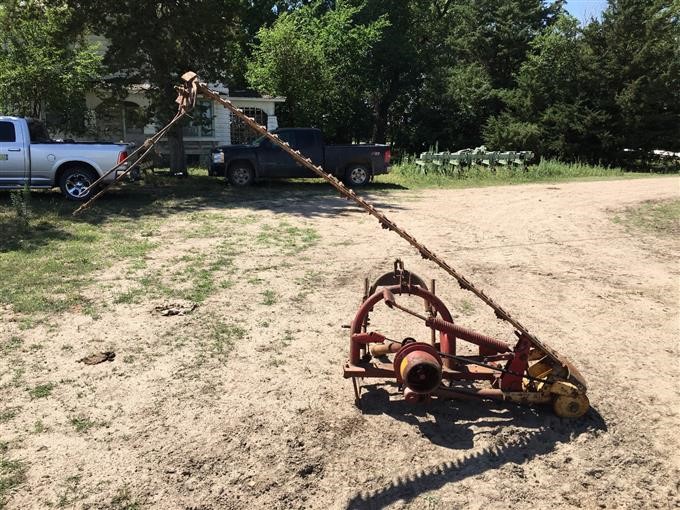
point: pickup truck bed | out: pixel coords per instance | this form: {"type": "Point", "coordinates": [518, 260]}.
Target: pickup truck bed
{"type": "Point", "coordinates": [356, 164]}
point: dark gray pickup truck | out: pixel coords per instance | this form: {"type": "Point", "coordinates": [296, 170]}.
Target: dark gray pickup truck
{"type": "Point", "coordinates": [243, 164]}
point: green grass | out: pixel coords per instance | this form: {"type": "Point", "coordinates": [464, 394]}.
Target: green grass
{"type": "Point", "coordinates": [223, 336]}
{"type": "Point", "coordinates": [12, 343]}
{"type": "Point", "coordinates": [12, 474]}
{"type": "Point", "coordinates": [124, 501]}
{"type": "Point", "coordinates": [193, 277]}
{"type": "Point", "coordinates": [289, 238]}
{"type": "Point", "coordinates": [41, 391]}
{"type": "Point", "coordinates": [82, 424]}
{"type": "Point", "coordinates": [409, 175]}
{"type": "Point", "coordinates": [7, 414]}
{"type": "Point", "coordinates": [659, 217]}
{"type": "Point", "coordinates": [46, 265]}
{"type": "Point", "coordinates": [269, 297]}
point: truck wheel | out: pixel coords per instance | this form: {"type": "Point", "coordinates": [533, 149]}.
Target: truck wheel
{"type": "Point", "coordinates": [240, 175]}
{"type": "Point", "coordinates": [357, 175]}
{"type": "Point", "coordinates": [75, 181]}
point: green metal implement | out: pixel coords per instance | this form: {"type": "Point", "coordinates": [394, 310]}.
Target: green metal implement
{"type": "Point", "coordinates": [442, 161]}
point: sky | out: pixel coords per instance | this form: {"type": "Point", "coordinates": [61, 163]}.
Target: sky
{"type": "Point", "coordinates": [583, 10]}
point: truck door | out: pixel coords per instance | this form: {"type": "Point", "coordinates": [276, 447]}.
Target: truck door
{"type": "Point", "coordinates": [273, 161]}
{"type": "Point", "coordinates": [310, 145]}
{"type": "Point", "coordinates": [12, 155]}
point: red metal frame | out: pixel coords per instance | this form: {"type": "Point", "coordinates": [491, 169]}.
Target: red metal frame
{"type": "Point", "coordinates": [492, 352]}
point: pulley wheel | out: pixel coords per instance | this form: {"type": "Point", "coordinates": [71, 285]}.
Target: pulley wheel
{"type": "Point", "coordinates": [571, 407]}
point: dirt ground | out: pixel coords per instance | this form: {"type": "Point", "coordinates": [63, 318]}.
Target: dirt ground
{"type": "Point", "coordinates": [241, 403]}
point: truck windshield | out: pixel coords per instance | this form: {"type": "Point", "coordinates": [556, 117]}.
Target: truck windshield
{"type": "Point", "coordinates": [37, 131]}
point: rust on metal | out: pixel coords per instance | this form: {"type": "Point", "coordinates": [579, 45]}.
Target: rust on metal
{"type": "Point", "coordinates": [521, 374]}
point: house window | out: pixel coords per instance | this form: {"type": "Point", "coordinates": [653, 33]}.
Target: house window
{"type": "Point", "coordinates": [202, 122]}
{"type": "Point", "coordinates": [242, 134]}
{"type": "Point", "coordinates": [118, 120]}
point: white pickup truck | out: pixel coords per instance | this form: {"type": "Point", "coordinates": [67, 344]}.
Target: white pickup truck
{"type": "Point", "coordinates": [29, 156]}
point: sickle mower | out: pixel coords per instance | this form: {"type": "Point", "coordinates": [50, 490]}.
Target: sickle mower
{"type": "Point", "coordinates": [528, 372]}
{"type": "Point", "coordinates": [521, 373]}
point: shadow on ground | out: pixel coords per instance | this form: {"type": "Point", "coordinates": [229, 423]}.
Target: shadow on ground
{"type": "Point", "coordinates": [163, 197]}
{"type": "Point", "coordinates": [449, 424]}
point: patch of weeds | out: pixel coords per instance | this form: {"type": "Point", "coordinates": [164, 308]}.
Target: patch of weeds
{"type": "Point", "coordinates": [17, 377]}
{"type": "Point", "coordinates": [12, 344]}
{"type": "Point", "coordinates": [70, 491]}
{"type": "Point", "coordinates": [287, 338]}
{"type": "Point", "coordinates": [277, 347]}
{"type": "Point", "coordinates": [67, 348]}
{"type": "Point", "coordinates": [124, 501]}
{"type": "Point", "coordinates": [82, 423]}
{"type": "Point", "coordinates": [93, 309]}
{"type": "Point", "coordinates": [130, 296]}
{"type": "Point", "coordinates": [310, 279]}
{"type": "Point", "coordinates": [269, 297]}
{"type": "Point", "coordinates": [247, 219]}
{"type": "Point", "coordinates": [432, 502]}
{"type": "Point", "coordinates": [41, 391]}
{"type": "Point", "coordinates": [8, 413]}
{"type": "Point", "coordinates": [289, 238]}
{"type": "Point", "coordinates": [227, 284]}
{"type": "Point", "coordinates": [21, 203]}
{"type": "Point", "coordinates": [202, 284]}
{"type": "Point", "coordinates": [39, 427]}
{"type": "Point", "coordinates": [255, 280]}
{"type": "Point", "coordinates": [275, 362]}
{"type": "Point", "coordinates": [300, 297]}
{"type": "Point", "coordinates": [128, 359]}
{"type": "Point", "coordinates": [28, 322]}
{"type": "Point", "coordinates": [197, 277]}
{"type": "Point", "coordinates": [222, 337]}
{"type": "Point", "coordinates": [12, 474]}
{"type": "Point", "coordinates": [35, 347]}
{"type": "Point", "coordinates": [204, 225]}
{"type": "Point", "coordinates": [58, 257]}
{"type": "Point", "coordinates": [660, 217]}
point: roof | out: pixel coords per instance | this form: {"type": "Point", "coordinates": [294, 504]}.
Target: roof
{"type": "Point", "coordinates": [253, 94]}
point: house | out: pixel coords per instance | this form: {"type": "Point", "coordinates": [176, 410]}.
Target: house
{"type": "Point", "coordinates": [212, 125]}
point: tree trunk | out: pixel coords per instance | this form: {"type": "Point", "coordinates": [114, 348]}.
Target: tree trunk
{"type": "Point", "coordinates": [379, 123]}
{"type": "Point", "coordinates": [178, 163]}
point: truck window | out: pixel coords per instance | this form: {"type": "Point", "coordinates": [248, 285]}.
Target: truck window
{"type": "Point", "coordinates": [305, 139]}
{"type": "Point", "coordinates": [288, 136]}
{"type": "Point", "coordinates": [7, 132]}
{"type": "Point", "coordinates": [38, 132]}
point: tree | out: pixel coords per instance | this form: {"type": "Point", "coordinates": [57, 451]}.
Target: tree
{"type": "Point", "coordinates": [44, 64]}
{"type": "Point", "coordinates": [554, 109]}
{"type": "Point", "coordinates": [590, 92]}
{"type": "Point", "coordinates": [471, 51]}
{"type": "Point", "coordinates": [638, 45]}
{"type": "Point", "coordinates": [315, 56]}
{"type": "Point", "coordinates": [155, 42]}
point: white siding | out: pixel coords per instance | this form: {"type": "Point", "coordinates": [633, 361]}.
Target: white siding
{"type": "Point", "coordinates": [222, 126]}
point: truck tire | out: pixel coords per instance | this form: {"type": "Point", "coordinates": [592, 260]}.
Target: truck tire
{"type": "Point", "coordinates": [75, 181]}
{"type": "Point", "coordinates": [240, 175]}
{"type": "Point", "coordinates": [357, 175]}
